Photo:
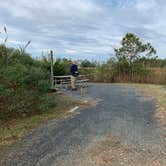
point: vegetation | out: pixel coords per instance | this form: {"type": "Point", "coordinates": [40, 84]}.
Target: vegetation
{"type": "Point", "coordinates": [24, 101]}
{"type": "Point", "coordinates": [24, 82]}
{"type": "Point", "coordinates": [134, 61]}
{"type": "Point", "coordinates": [131, 50]}
{"type": "Point", "coordinates": [62, 67]}
{"type": "Point", "coordinates": [23, 85]}
{"type": "Point", "coordinates": [87, 63]}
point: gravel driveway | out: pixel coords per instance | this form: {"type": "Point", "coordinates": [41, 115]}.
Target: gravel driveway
{"type": "Point", "coordinates": [120, 113]}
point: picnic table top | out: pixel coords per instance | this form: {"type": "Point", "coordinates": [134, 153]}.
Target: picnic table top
{"type": "Point", "coordinates": [67, 76]}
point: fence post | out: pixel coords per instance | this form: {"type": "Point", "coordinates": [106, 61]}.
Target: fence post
{"type": "Point", "coordinates": [52, 70]}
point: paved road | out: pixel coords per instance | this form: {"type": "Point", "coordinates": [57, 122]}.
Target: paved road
{"type": "Point", "coordinates": [120, 112]}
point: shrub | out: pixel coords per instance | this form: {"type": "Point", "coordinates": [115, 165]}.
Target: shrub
{"type": "Point", "coordinates": [23, 85]}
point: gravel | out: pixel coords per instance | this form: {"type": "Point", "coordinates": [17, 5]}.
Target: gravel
{"type": "Point", "coordinates": [120, 112]}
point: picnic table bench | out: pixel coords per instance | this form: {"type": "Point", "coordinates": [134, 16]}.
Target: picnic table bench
{"type": "Point", "coordinates": [64, 82]}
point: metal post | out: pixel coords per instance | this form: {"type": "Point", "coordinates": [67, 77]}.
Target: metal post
{"type": "Point", "coordinates": [52, 70]}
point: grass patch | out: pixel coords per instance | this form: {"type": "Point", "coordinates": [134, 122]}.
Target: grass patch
{"type": "Point", "coordinates": [13, 130]}
{"type": "Point", "coordinates": [111, 151]}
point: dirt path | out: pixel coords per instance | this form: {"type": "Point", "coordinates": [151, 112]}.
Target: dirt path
{"type": "Point", "coordinates": [120, 130]}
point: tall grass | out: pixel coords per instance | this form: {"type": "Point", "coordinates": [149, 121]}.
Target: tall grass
{"type": "Point", "coordinates": [106, 73]}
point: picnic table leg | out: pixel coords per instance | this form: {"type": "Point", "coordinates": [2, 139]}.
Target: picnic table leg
{"type": "Point", "coordinates": [66, 86]}
{"type": "Point", "coordinates": [81, 90]}
{"type": "Point", "coordinates": [61, 84]}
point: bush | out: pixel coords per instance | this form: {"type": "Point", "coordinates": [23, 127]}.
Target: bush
{"type": "Point", "coordinates": [62, 67]}
{"type": "Point", "coordinates": [23, 85]}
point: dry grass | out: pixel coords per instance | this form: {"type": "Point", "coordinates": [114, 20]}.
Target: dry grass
{"type": "Point", "coordinates": [111, 151]}
{"type": "Point", "coordinates": [154, 76]}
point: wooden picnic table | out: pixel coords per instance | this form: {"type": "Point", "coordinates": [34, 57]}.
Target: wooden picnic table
{"type": "Point", "coordinates": [66, 80]}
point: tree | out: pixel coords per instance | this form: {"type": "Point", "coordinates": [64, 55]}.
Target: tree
{"type": "Point", "coordinates": [87, 63]}
{"type": "Point", "coordinates": [133, 49]}
{"type": "Point", "coordinates": [62, 66]}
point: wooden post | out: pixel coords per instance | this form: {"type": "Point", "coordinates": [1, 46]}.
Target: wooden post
{"type": "Point", "coordinates": [52, 70]}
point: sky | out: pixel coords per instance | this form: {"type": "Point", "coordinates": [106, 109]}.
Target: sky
{"type": "Point", "coordinates": [82, 29]}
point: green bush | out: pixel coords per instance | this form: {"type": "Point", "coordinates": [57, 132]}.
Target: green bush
{"type": "Point", "coordinates": [23, 85]}
{"type": "Point", "coordinates": [62, 67]}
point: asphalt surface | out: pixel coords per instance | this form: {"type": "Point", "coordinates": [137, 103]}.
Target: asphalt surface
{"type": "Point", "coordinates": [120, 111]}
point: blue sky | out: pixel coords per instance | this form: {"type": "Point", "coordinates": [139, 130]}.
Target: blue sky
{"type": "Point", "coordinates": [82, 29]}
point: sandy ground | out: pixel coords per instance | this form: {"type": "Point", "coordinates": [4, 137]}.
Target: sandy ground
{"type": "Point", "coordinates": [120, 130]}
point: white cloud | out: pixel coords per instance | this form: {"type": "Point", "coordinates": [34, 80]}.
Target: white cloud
{"type": "Point", "coordinates": [147, 5]}
{"type": "Point", "coordinates": [46, 10]}
{"type": "Point", "coordinates": [88, 51]}
{"type": "Point", "coordinates": [71, 51]}
{"type": "Point", "coordinates": [83, 27]}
